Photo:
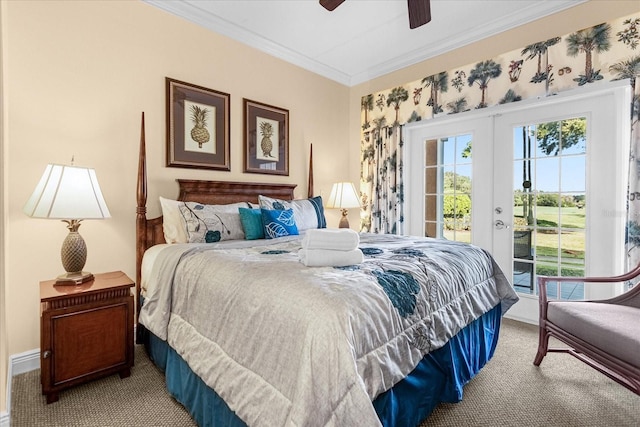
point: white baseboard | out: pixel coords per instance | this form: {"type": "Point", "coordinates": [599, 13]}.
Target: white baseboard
{"type": "Point", "coordinates": [18, 364]}
{"type": "Point", "coordinates": [24, 362]}
{"type": "Point", "coordinates": [521, 319]}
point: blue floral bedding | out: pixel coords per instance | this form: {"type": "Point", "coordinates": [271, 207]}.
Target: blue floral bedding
{"type": "Point", "coordinates": [315, 346]}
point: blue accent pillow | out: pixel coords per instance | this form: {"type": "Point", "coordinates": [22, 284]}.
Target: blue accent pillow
{"type": "Point", "coordinates": [252, 224]}
{"type": "Point", "coordinates": [278, 223]}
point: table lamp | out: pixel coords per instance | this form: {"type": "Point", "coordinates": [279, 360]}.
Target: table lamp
{"type": "Point", "coordinates": [343, 196]}
{"type": "Point", "coordinates": [71, 194]}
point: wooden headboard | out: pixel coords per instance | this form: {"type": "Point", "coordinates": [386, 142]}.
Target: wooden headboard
{"type": "Point", "coordinates": [149, 231]}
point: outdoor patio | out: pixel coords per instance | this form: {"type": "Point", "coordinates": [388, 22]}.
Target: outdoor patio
{"type": "Point", "coordinates": [568, 291]}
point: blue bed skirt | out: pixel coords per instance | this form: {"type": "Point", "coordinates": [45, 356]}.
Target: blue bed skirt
{"type": "Point", "coordinates": [439, 377]}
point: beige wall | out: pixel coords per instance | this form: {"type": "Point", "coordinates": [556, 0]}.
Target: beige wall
{"type": "Point", "coordinates": [78, 75]}
{"type": "Point", "coordinates": [4, 351]}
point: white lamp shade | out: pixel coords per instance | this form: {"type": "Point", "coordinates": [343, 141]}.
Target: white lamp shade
{"type": "Point", "coordinates": [343, 196]}
{"type": "Point", "coordinates": [67, 192]}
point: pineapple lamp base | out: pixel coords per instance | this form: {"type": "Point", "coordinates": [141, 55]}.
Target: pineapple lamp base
{"type": "Point", "coordinates": [74, 256]}
{"type": "Point", "coordinates": [344, 220]}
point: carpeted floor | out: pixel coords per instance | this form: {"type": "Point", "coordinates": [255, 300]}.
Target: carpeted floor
{"type": "Point", "coordinates": [509, 391]}
{"type": "Point", "coordinates": [139, 400]}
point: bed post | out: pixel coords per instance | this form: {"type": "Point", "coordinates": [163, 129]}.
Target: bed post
{"type": "Point", "coordinates": [141, 220]}
{"type": "Point", "coordinates": [310, 185]}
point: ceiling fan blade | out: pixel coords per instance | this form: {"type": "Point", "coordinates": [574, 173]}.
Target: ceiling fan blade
{"type": "Point", "coordinates": [330, 4]}
{"type": "Point", "coordinates": [419, 12]}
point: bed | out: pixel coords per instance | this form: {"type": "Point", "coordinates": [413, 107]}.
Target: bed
{"type": "Point", "coordinates": [271, 342]}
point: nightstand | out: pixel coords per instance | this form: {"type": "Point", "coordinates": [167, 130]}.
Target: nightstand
{"type": "Point", "coordinates": [86, 331]}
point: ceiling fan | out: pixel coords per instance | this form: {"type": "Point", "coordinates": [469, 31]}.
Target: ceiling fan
{"type": "Point", "coordinates": [419, 10]}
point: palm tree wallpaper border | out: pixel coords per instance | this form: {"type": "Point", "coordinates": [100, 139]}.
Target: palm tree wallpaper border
{"type": "Point", "coordinates": [608, 51]}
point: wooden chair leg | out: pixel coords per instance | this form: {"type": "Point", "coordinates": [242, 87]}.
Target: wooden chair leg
{"type": "Point", "coordinates": [543, 346]}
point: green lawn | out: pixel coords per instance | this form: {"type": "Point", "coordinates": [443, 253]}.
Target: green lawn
{"type": "Point", "coordinates": [547, 216]}
{"type": "Point", "coordinates": [571, 239]}
{"type": "Point", "coordinates": [547, 240]}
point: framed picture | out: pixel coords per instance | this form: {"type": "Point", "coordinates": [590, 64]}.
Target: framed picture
{"type": "Point", "coordinates": [197, 126]}
{"type": "Point", "coordinates": [266, 138]}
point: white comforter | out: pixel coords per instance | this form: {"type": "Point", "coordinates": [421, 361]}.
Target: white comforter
{"type": "Point", "coordinates": [289, 345]}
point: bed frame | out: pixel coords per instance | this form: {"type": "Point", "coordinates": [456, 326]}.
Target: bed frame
{"type": "Point", "coordinates": [149, 231]}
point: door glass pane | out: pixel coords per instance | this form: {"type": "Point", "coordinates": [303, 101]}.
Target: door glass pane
{"type": "Point", "coordinates": [549, 188]}
{"type": "Point", "coordinates": [547, 177]}
{"type": "Point", "coordinates": [448, 148]}
{"type": "Point", "coordinates": [448, 188]}
{"type": "Point", "coordinates": [573, 174]}
{"type": "Point", "coordinates": [572, 254]}
{"type": "Point", "coordinates": [572, 136]}
{"type": "Point", "coordinates": [432, 153]}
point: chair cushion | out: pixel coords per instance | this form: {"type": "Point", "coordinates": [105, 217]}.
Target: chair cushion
{"type": "Point", "coordinates": [613, 328]}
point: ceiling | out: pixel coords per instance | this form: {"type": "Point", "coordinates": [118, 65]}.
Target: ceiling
{"type": "Point", "coordinates": [361, 39]}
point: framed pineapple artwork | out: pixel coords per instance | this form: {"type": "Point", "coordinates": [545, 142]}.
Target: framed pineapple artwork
{"type": "Point", "coordinates": [197, 126]}
{"type": "Point", "coordinates": [266, 138]}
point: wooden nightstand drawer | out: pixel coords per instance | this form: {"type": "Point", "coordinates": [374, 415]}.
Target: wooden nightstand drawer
{"type": "Point", "coordinates": [88, 341]}
{"type": "Point", "coordinates": [86, 331]}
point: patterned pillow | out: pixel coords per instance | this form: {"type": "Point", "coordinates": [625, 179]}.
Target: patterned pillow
{"type": "Point", "coordinates": [252, 224]}
{"type": "Point", "coordinates": [278, 223]}
{"type": "Point", "coordinates": [173, 224]}
{"type": "Point", "coordinates": [308, 213]}
{"type": "Point", "coordinates": [206, 224]}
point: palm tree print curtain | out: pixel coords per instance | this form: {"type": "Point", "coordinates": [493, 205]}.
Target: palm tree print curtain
{"type": "Point", "coordinates": [384, 172]}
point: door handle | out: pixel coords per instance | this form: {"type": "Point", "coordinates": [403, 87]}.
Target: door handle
{"type": "Point", "coordinates": [499, 224]}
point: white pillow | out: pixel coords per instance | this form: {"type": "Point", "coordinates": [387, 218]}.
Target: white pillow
{"type": "Point", "coordinates": [173, 225]}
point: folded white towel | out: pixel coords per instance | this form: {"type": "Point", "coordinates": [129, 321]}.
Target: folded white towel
{"type": "Point", "coordinates": [342, 239]}
{"type": "Point", "coordinates": [329, 258]}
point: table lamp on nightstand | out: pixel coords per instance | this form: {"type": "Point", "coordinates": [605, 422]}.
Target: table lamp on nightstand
{"type": "Point", "coordinates": [343, 196]}
{"type": "Point", "coordinates": [71, 194]}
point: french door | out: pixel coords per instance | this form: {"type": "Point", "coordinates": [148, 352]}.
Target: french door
{"type": "Point", "coordinates": [540, 184]}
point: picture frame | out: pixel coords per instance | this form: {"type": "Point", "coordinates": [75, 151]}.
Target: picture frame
{"type": "Point", "coordinates": [197, 126]}
{"type": "Point", "coordinates": [266, 138]}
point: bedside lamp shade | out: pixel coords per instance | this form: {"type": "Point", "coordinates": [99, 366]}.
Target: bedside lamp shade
{"type": "Point", "coordinates": [71, 194]}
{"type": "Point", "coordinates": [343, 196]}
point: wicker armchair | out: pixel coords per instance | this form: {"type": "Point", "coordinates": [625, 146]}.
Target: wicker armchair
{"type": "Point", "coordinates": [604, 334]}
